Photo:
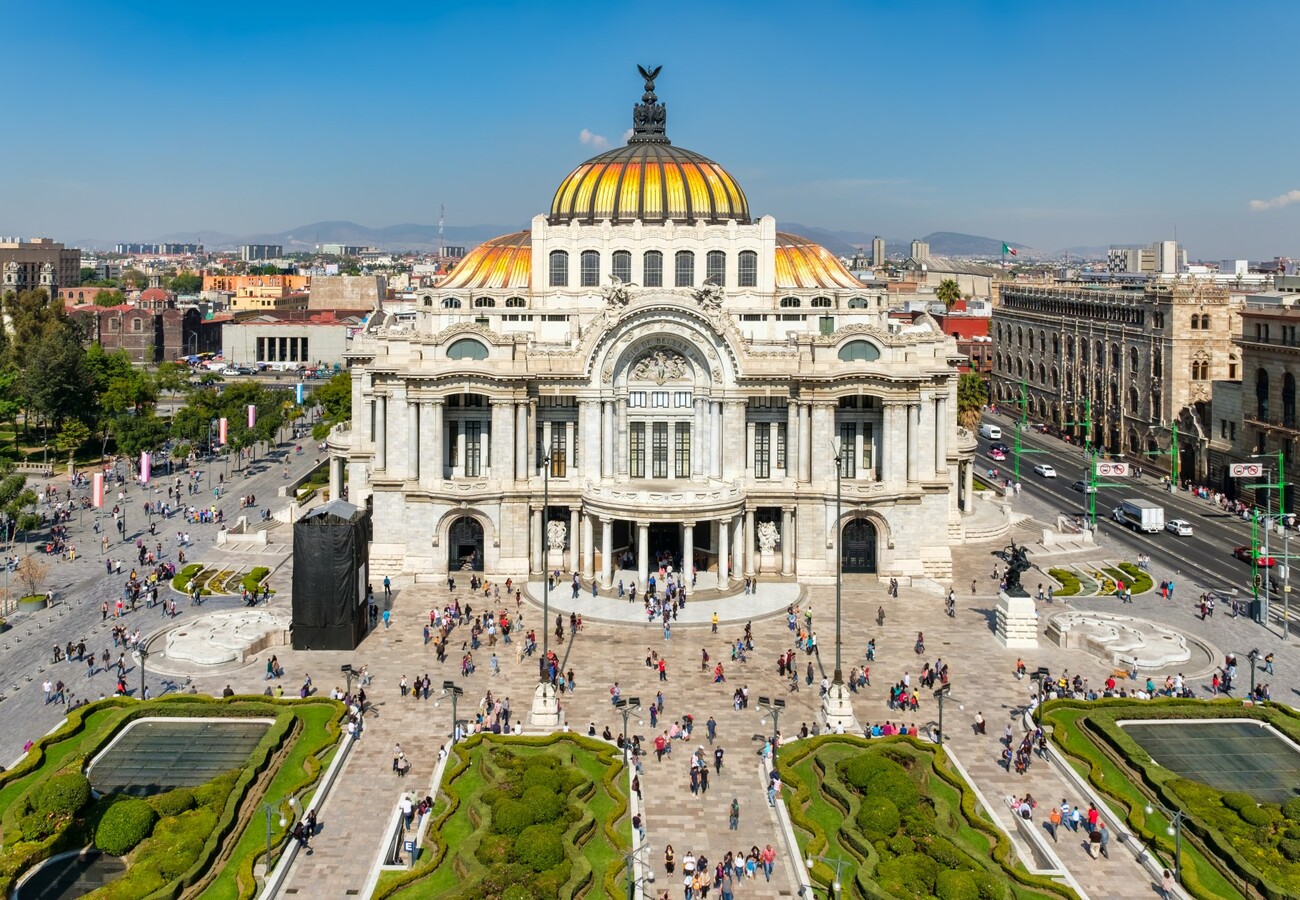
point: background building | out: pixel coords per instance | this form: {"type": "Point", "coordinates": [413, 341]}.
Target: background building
{"type": "Point", "coordinates": [358, 292]}
{"type": "Point", "coordinates": [1160, 258]}
{"type": "Point", "coordinates": [258, 252]}
{"type": "Point", "coordinates": [877, 251]}
{"type": "Point", "coordinates": [289, 339]}
{"type": "Point", "coordinates": [40, 262]}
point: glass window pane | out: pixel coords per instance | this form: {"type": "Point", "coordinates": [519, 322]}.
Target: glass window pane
{"type": "Point", "coordinates": [716, 264]}
{"type": "Point", "coordinates": [848, 448]}
{"type": "Point", "coordinates": [683, 461]}
{"type": "Point", "coordinates": [653, 263]}
{"type": "Point", "coordinates": [659, 450]}
{"type": "Point", "coordinates": [590, 268]}
{"type": "Point", "coordinates": [559, 269]}
{"type": "Point", "coordinates": [621, 267]}
{"type": "Point", "coordinates": [559, 454]}
{"type": "Point", "coordinates": [747, 275]}
{"type": "Point", "coordinates": [473, 449]}
{"type": "Point", "coordinates": [685, 273]}
{"type": "Point", "coordinates": [636, 450]}
{"type": "Point", "coordinates": [762, 450]}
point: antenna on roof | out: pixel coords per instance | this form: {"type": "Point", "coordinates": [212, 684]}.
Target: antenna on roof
{"type": "Point", "coordinates": [442, 248]}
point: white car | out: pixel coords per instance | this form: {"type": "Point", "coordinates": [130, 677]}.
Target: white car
{"type": "Point", "coordinates": [1180, 527]}
{"type": "Point", "coordinates": [229, 370]}
{"type": "Point", "coordinates": [1044, 470]}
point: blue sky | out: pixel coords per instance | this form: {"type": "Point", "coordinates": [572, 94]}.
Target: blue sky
{"type": "Point", "coordinates": [1052, 124]}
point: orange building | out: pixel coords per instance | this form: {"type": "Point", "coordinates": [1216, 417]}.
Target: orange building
{"type": "Point", "coordinates": [257, 285]}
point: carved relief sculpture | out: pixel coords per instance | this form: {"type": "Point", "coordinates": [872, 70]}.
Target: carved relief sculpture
{"type": "Point", "coordinates": [768, 534]}
{"type": "Point", "coordinates": [556, 532]}
{"type": "Point", "coordinates": [617, 293]}
{"type": "Point", "coordinates": [660, 367]}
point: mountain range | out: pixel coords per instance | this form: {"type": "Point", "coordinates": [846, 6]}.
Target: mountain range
{"type": "Point", "coordinates": [306, 238]}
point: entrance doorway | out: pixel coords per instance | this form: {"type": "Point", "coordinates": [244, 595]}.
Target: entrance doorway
{"type": "Point", "coordinates": [465, 545]}
{"type": "Point", "coordinates": [665, 544]}
{"type": "Point", "coordinates": [858, 546]}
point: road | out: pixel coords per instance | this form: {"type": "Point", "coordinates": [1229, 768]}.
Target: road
{"type": "Point", "coordinates": [1205, 555]}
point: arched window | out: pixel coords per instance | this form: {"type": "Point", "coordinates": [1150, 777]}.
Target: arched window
{"type": "Point", "coordinates": [790, 302]}
{"type": "Point", "coordinates": [715, 268]}
{"type": "Point", "coordinates": [820, 303]}
{"type": "Point", "coordinates": [652, 269]}
{"type": "Point", "coordinates": [1056, 345]}
{"type": "Point", "coordinates": [1261, 394]}
{"type": "Point", "coordinates": [861, 303]}
{"type": "Point", "coordinates": [1133, 404]}
{"type": "Point", "coordinates": [747, 269]}
{"type": "Point", "coordinates": [1196, 321]}
{"type": "Point", "coordinates": [1042, 341]}
{"type": "Point", "coordinates": [484, 303]}
{"type": "Point", "coordinates": [450, 303]}
{"type": "Point", "coordinates": [467, 348]}
{"type": "Point", "coordinates": [1133, 360]}
{"type": "Point", "coordinates": [1020, 368]}
{"type": "Point", "coordinates": [1101, 353]}
{"type": "Point", "coordinates": [516, 302]}
{"type": "Point", "coordinates": [1115, 361]}
{"type": "Point", "coordinates": [684, 269]}
{"type": "Point", "coordinates": [590, 274]}
{"type": "Point", "coordinates": [1042, 374]}
{"type": "Point", "coordinates": [426, 300]}
{"type": "Point", "coordinates": [1288, 400]}
{"type": "Point", "coordinates": [621, 266]}
{"type": "Point", "coordinates": [559, 269]}
{"type": "Point", "coordinates": [1020, 336]}
{"type": "Point", "coordinates": [1157, 364]}
{"type": "Point", "coordinates": [859, 351]}
{"type": "Point", "coordinates": [1056, 378]}
{"type": "Point", "coordinates": [1083, 350]}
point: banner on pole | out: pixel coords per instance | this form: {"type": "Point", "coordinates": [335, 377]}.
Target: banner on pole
{"type": "Point", "coordinates": [97, 490]}
{"type": "Point", "coordinates": [221, 431]}
{"type": "Point", "coordinates": [146, 466]}
{"type": "Point", "coordinates": [252, 415]}
{"type": "Point", "coordinates": [1245, 470]}
{"type": "Point", "coordinates": [298, 393]}
{"type": "Point", "coordinates": [1112, 470]}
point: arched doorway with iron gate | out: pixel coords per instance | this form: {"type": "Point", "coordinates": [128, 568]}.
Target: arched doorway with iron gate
{"type": "Point", "coordinates": [858, 546]}
{"type": "Point", "coordinates": [465, 545]}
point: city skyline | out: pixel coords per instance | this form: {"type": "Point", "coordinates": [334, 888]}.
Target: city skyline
{"type": "Point", "coordinates": [1050, 127]}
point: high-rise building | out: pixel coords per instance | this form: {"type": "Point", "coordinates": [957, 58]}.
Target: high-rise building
{"type": "Point", "coordinates": [877, 251]}
{"type": "Point", "coordinates": [258, 252]}
{"type": "Point", "coordinates": [1160, 258]}
{"type": "Point", "coordinates": [341, 250]}
{"type": "Point", "coordinates": [40, 262]}
{"type": "Point", "coordinates": [920, 250]}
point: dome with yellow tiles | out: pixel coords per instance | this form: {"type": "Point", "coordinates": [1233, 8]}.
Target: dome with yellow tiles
{"type": "Point", "coordinates": [649, 180]}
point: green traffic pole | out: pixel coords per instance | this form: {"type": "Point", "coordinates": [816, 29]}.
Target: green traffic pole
{"type": "Point", "coordinates": [1173, 463]}
{"type": "Point", "coordinates": [1281, 486]}
{"type": "Point", "coordinates": [1254, 556]}
{"type": "Point", "coordinates": [1017, 449]}
{"type": "Point", "coordinates": [1092, 495]}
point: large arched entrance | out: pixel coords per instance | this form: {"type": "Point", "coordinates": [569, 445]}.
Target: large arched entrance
{"type": "Point", "coordinates": [858, 546]}
{"type": "Point", "coordinates": [465, 545]}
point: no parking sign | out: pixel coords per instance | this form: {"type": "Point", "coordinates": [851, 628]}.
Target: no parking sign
{"type": "Point", "coordinates": [1112, 470]}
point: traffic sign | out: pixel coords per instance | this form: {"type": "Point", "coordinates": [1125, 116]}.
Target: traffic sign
{"type": "Point", "coordinates": [1245, 470]}
{"type": "Point", "coordinates": [1112, 470]}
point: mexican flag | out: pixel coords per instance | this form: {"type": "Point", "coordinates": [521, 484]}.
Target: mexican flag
{"type": "Point", "coordinates": [1006, 250]}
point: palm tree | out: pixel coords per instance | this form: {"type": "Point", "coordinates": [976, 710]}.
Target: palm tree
{"type": "Point", "coordinates": [948, 292]}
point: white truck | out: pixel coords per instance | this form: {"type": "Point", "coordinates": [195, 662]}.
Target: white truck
{"type": "Point", "coordinates": [1140, 515]}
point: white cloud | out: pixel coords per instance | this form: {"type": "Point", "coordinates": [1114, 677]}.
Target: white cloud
{"type": "Point", "coordinates": [1277, 202]}
{"type": "Point", "coordinates": [627, 135]}
{"type": "Point", "coordinates": [590, 138]}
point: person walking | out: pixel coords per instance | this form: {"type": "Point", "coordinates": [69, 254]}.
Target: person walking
{"type": "Point", "coordinates": [1167, 885]}
{"type": "Point", "coordinates": [711, 727]}
{"type": "Point", "coordinates": [717, 760]}
{"type": "Point", "coordinates": [1053, 823]}
{"type": "Point", "coordinates": [733, 818]}
{"type": "Point", "coordinates": [1094, 843]}
{"type": "Point", "coordinates": [768, 859]}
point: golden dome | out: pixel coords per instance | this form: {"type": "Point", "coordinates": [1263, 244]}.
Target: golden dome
{"type": "Point", "coordinates": [801, 263]}
{"type": "Point", "coordinates": [502, 263]}
{"type": "Point", "coordinates": [649, 180]}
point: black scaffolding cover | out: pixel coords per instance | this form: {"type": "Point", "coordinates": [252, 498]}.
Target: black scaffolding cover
{"type": "Point", "coordinates": [331, 555]}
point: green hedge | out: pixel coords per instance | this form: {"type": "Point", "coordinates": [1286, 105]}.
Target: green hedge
{"type": "Point", "coordinates": [127, 823]}
{"type": "Point", "coordinates": [1140, 581]}
{"type": "Point", "coordinates": [1068, 580]}
{"type": "Point", "coordinates": [252, 582]}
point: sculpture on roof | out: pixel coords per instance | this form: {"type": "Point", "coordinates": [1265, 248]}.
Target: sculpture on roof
{"type": "Point", "coordinates": [709, 296]}
{"type": "Point", "coordinates": [1017, 558]}
{"type": "Point", "coordinates": [617, 293]}
{"type": "Point", "coordinates": [649, 116]}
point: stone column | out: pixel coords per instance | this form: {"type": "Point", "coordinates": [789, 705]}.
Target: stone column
{"type": "Point", "coordinates": [699, 437]}
{"type": "Point", "coordinates": [608, 450]}
{"type": "Point", "coordinates": [750, 428]}
{"type": "Point", "coordinates": [688, 551]}
{"type": "Point", "coordinates": [940, 435]}
{"type": "Point", "coordinates": [536, 542]}
{"type": "Point", "coordinates": [607, 553]}
{"type": "Point", "coordinates": [336, 477]}
{"type": "Point", "coordinates": [643, 554]}
{"type": "Point", "coordinates": [575, 538]}
{"type": "Point", "coordinates": [546, 444]}
{"type": "Point", "coordinates": [588, 551]}
{"type": "Point", "coordinates": [381, 432]}
{"type": "Point", "coordinates": [885, 468]}
{"type": "Point", "coordinates": [969, 493]}
{"type": "Point", "coordinates": [462, 446]}
{"type": "Point", "coordinates": [715, 439]}
{"type": "Point", "coordinates": [805, 442]}
{"type": "Point", "coordinates": [430, 442]}
{"type": "Point", "coordinates": [738, 546]}
{"type": "Point", "coordinates": [724, 527]}
{"type": "Point", "coordinates": [787, 541]}
{"type": "Point", "coordinates": [530, 440]}
{"type": "Point", "coordinates": [412, 440]}
{"type": "Point", "coordinates": [913, 441]}
{"type": "Point", "coordinates": [750, 566]}
{"type": "Point", "coordinates": [501, 451]}
{"type": "Point", "coordinates": [823, 441]}
{"type": "Point", "coordinates": [620, 436]}
{"type": "Point", "coordinates": [733, 424]}
{"type": "Point", "coordinates": [792, 439]}
{"type": "Point", "coordinates": [521, 441]}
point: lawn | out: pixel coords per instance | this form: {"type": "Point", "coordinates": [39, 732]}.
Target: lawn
{"type": "Point", "coordinates": [1233, 844]}
{"type": "Point", "coordinates": [526, 817]}
{"type": "Point", "coordinates": [905, 822]}
{"type": "Point", "coordinates": [173, 841]}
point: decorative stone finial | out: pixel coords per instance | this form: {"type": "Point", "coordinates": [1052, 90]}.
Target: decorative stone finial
{"type": "Point", "coordinates": [649, 116]}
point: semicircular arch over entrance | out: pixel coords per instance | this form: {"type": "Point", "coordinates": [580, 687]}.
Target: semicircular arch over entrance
{"type": "Point", "coordinates": [858, 542]}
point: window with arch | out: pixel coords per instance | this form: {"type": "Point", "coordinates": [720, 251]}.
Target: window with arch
{"type": "Point", "coordinates": [1042, 374]}
{"type": "Point", "coordinates": [1042, 341]}
{"type": "Point", "coordinates": [1157, 364]}
{"type": "Point", "coordinates": [620, 265]}
{"type": "Point", "coordinates": [450, 303]}
{"type": "Point", "coordinates": [590, 274]}
{"type": "Point", "coordinates": [1020, 368]}
{"type": "Point", "coordinates": [652, 269]}
{"type": "Point", "coordinates": [715, 268]}
{"type": "Point", "coordinates": [484, 303]}
{"type": "Point", "coordinates": [516, 302]}
{"type": "Point", "coordinates": [467, 348]}
{"type": "Point", "coordinates": [791, 302]}
{"type": "Point", "coordinates": [859, 303]}
{"type": "Point", "coordinates": [559, 275]}
{"type": "Point", "coordinates": [1132, 360]}
{"type": "Point", "coordinates": [1288, 400]}
{"type": "Point", "coordinates": [1133, 403]}
{"type": "Point", "coordinates": [684, 269]}
{"type": "Point", "coordinates": [426, 300]}
{"type": "Point", "coordinates": [1261, 394]}
{"type": "Point", "coordinates": [747, 269]}
{"type": "Point", "coordinates": [820, 303]}
{"type": "Point", "coordinates": [1056, 345]}
{"type": "Point", "coordinates": [1115, 361]}
{"type": "Point", "coordinates": [1083, 351]}
{"type": "Point", "coordinates": [1196, 322]}
{"type": "Point", "coordinates": [859, 351]}
{"type": "Point", "coordinates": [1056, 378]}
{"type": "Point", "coordinates": [1020, 337]}
{"type": "Point", "coordinates": [1101, 353]}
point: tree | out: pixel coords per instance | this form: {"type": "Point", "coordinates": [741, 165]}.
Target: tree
{"type": "Point", "coordinates": [72, 435]}
{"type": "Point", "coordinates": [110, 298]}
{"type": "Point", "coordinates": [134, 433]}
{"type": "Point", "coordinates": [948, 293]}
{"type": "Point", "coordinates": [187, 283]}
{"type": "Point", "coordinates": [31, 573]}
{"type": "Point", "coordinates": [87, 275]}
{"type": "Point", "coordinates": [134, 278]}
{"type": "Point", "coordinates": [335, 398]}
{"type": "Point", "coordinates": [972, 397]}
{"type": "Point", "coordinates": [172, 377]}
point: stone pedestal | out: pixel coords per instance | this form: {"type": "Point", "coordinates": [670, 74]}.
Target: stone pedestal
{"type": "Point", "coordinates": [837, 710]}
{"type": "Point", "coordinates": [769, 563]}
{"type": "Point", "coordinates": [555, 560]}
{"type": "Point", "coordinates": [546, 708]}
{"type": "Point", "coordinates": [1017, 622]}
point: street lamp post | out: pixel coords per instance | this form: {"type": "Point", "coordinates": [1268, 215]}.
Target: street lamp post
{"type": "Point", "coordinates": [1092, 469]}
{"type": "Point", "coordinates": [1280, 484]}
{"type": "Point", "coordinates": [1253, 658]}
{"type": "Point", "coordinates": [143, 653]}
{"type": "Point", "coordinates": [546, 704]}
{"type": "Point", "coordinates": [773, 708]}
{"type": "Point", "coordinates": [626, 708]}
{"type": "Point", "coordinates": [837, 707]}
{"type": "Point", "coordinates": [629, 860]}
{"type": "Point", "coordinates": [837, 863]}
{"type": "Point", "coordinates": [284, 822]}
{"type": "Point", "coordinates": [449, 689]}
{"type": "Point", "coordinates": [944, 693]}
{"type": "Point", "coordinates": [1040, 678]}
{"type": "Point", "coordinates": [1175, 829]}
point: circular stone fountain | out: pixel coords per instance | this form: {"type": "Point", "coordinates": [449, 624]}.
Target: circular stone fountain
{"type": "Point", "coordinates": [225, 637]}
{"type": "Point", "coordinates": [1124, 640]}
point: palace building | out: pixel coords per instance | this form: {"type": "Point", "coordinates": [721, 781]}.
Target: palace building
{"type": "Point", "coordinates": [648, 374]}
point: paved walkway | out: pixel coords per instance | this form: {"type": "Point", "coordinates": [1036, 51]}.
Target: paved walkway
{"type": "Point", "coordinates": [735, 606]}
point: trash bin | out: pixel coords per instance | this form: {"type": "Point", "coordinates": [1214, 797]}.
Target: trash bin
{"type": "Point", "coordinates": [1258, 611]}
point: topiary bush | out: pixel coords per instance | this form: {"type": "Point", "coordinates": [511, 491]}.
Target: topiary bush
{"type": "Point", "coordinates": [173, 802]}
{"type": "Point", "coordinates": [544, 804]}
{"type": "Point", "coordinates": [540, 847]}
{"type": "Point", "coordinates": [1290, 849]}
{"type": "Point", "coordinates": [955, 884]}
{"type": "Point", "coordinates": [542, 776]}
{"type": "Point", "coordinates": [1237, 801]}
{"type": "Point", "coordinates": [1255, 816]}
{"type": "Point", "coordinates": [859, 771]}
{"type": "Point", "coordinates": [61, 795]}
{"type": "Point", "coordinates": [878, 817]}
{"type": "Point", "coordinates": [126, 823]}
{"type": "Point", "coordinates": [895, 786]}
{"type": "Point", "coordinates": [1291, 809]}
{"type": "Point", "coordinates": [511, 816]}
